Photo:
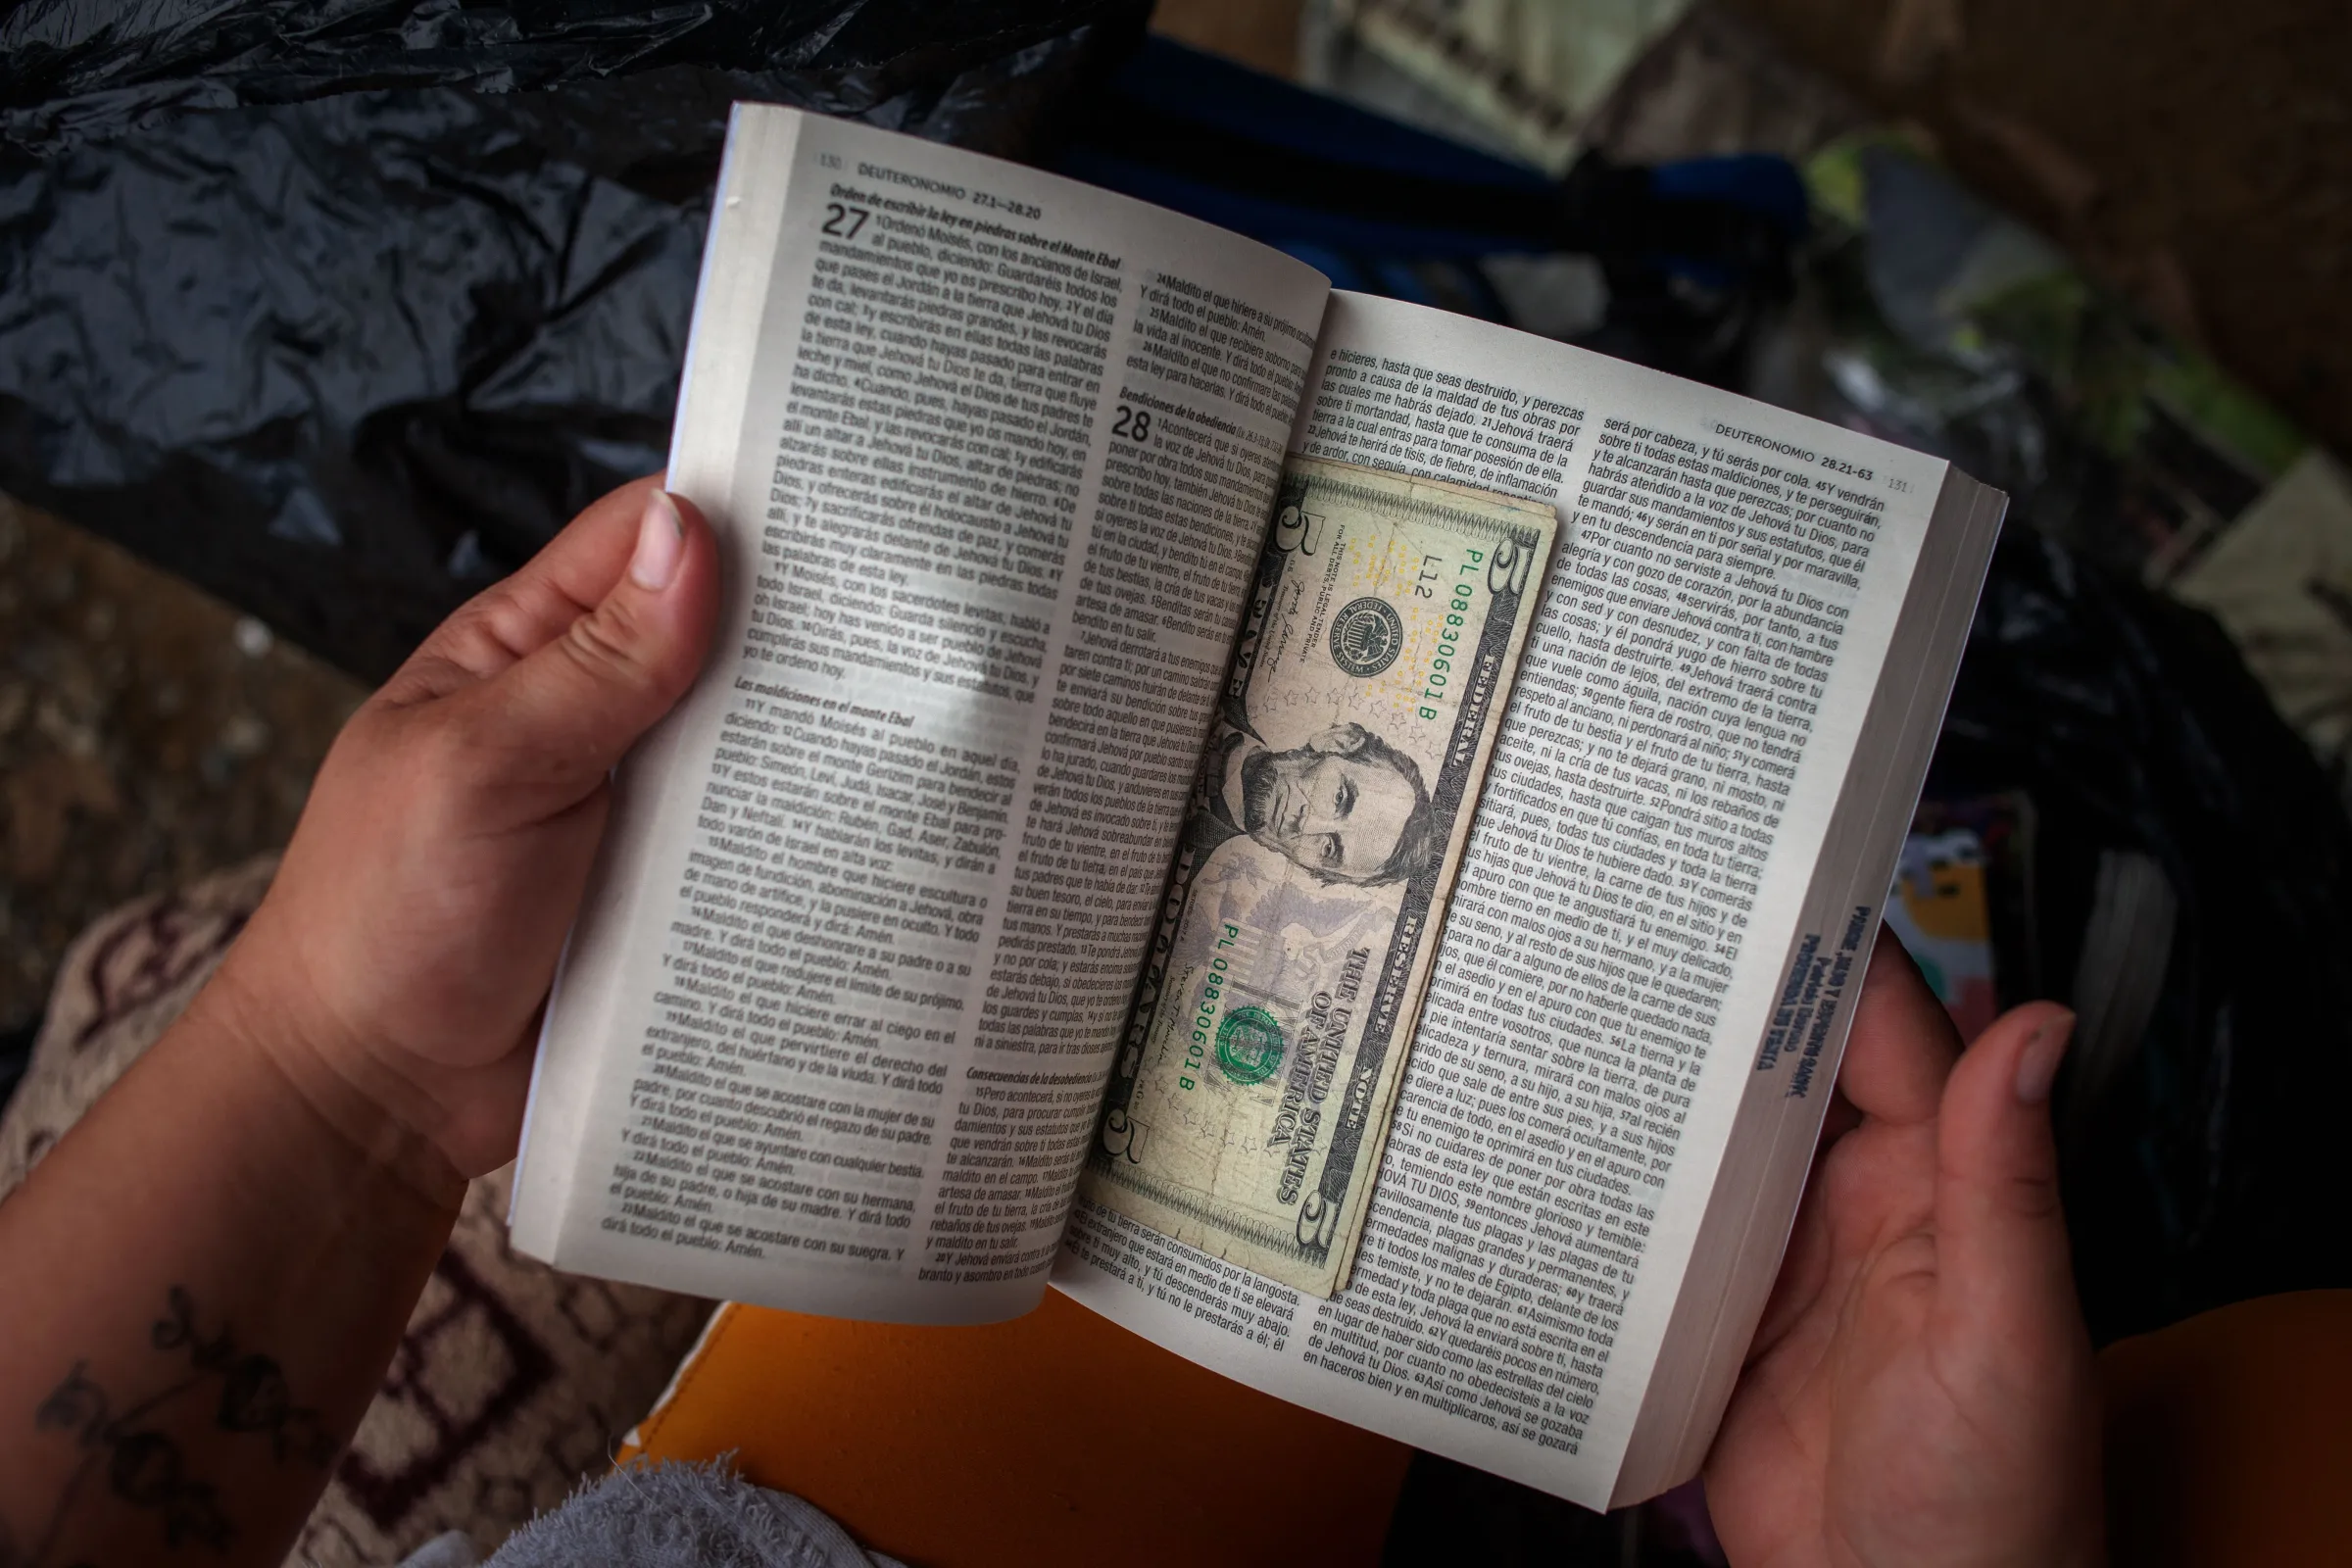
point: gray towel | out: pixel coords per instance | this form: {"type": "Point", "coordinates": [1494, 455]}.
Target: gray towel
{"type": "Point", "coordinates": [669, 1516]}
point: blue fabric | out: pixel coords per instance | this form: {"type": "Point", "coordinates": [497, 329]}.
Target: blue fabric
{"type": "Point", "coordinates": [1389, 209]}
{"type": "Point", "coordinates": [669, 1516]}
{"type": "Point", "coordinates": [1208, 91]}
{"type": "Point", "coordinates": [1758, 181]}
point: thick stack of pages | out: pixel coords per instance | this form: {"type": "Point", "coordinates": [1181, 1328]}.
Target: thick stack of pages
{"type": "Point", "coordinates": [897, 993]}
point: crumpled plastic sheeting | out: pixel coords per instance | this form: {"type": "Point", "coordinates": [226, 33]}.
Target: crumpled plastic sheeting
{"type": "Point", "coordinates": [346, 356]}
{"type": "Point", "coordinates": [70, 68]}
{"type": "Point", "coordinates": [2211, 1170]}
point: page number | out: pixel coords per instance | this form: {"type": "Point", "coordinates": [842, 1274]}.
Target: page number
{"type": "Point", "coordinates": [844, 221]}
{"type": "Point", "coordinates": [1132, 424]}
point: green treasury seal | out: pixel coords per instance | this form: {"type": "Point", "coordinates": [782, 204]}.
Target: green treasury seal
{"type": "Point", "coordinates": [1366, 636]}
{"type": "Point", "coordinates": [1250, 1045]}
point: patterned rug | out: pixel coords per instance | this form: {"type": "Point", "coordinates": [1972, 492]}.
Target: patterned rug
{"type": "Point", "coordinates": [512, 1380]}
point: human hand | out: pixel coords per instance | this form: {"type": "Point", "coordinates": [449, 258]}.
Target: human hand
{"type": "Point", "coordinates": [396, 969]}
{"type": "Point", "coordinates": [1920, 1392]}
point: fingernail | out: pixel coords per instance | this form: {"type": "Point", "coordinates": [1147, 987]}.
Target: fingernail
{"type": "Point", "coordinates": [660, 543]}
{"type": "Point", "coordinates": [2037, 1064]}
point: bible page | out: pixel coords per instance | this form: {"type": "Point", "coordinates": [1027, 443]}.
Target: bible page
{"type": "Point", "coordinates": [1714, 625]}
{"type": "Point", "coordinates": [989, 453]}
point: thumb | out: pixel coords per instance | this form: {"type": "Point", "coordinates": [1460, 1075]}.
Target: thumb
{"type": "Point", "coordinates": [2002, 1265]}
{"type": "Point", "coordinates": [568, 712]}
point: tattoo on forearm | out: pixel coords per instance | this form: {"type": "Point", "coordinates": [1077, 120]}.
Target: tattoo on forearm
{"type": "Point", "coordinates": [252, 1391]}
{"type": "Point", "coordinates": [142, 1467]}
{"type": "Point", "coordinates": [146, 1468]}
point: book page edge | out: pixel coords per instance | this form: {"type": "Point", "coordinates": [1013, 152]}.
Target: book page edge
{"type": "Point", "coordinates": [1769, 1211]}
{"type": "Point", "coordinates": [745, 213]}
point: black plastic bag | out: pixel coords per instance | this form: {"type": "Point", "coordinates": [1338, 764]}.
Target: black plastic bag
{"type": "Point", "coordinates": [341, 312]}
{"type": "Point", "coordinates": [2209, 1168]}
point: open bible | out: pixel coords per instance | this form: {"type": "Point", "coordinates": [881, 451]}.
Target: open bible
{"type": "Point", "coordinates": [1342, 836]}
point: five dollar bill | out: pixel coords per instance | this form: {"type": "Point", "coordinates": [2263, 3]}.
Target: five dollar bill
{"type": "Point", "coordinates": [1256, 1080]}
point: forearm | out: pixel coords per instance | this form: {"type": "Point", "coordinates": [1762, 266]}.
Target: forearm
{"type": "Point", "coordinates": [204, 1283]}
{"type": "Point", "coordinates": [201, 1285]}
